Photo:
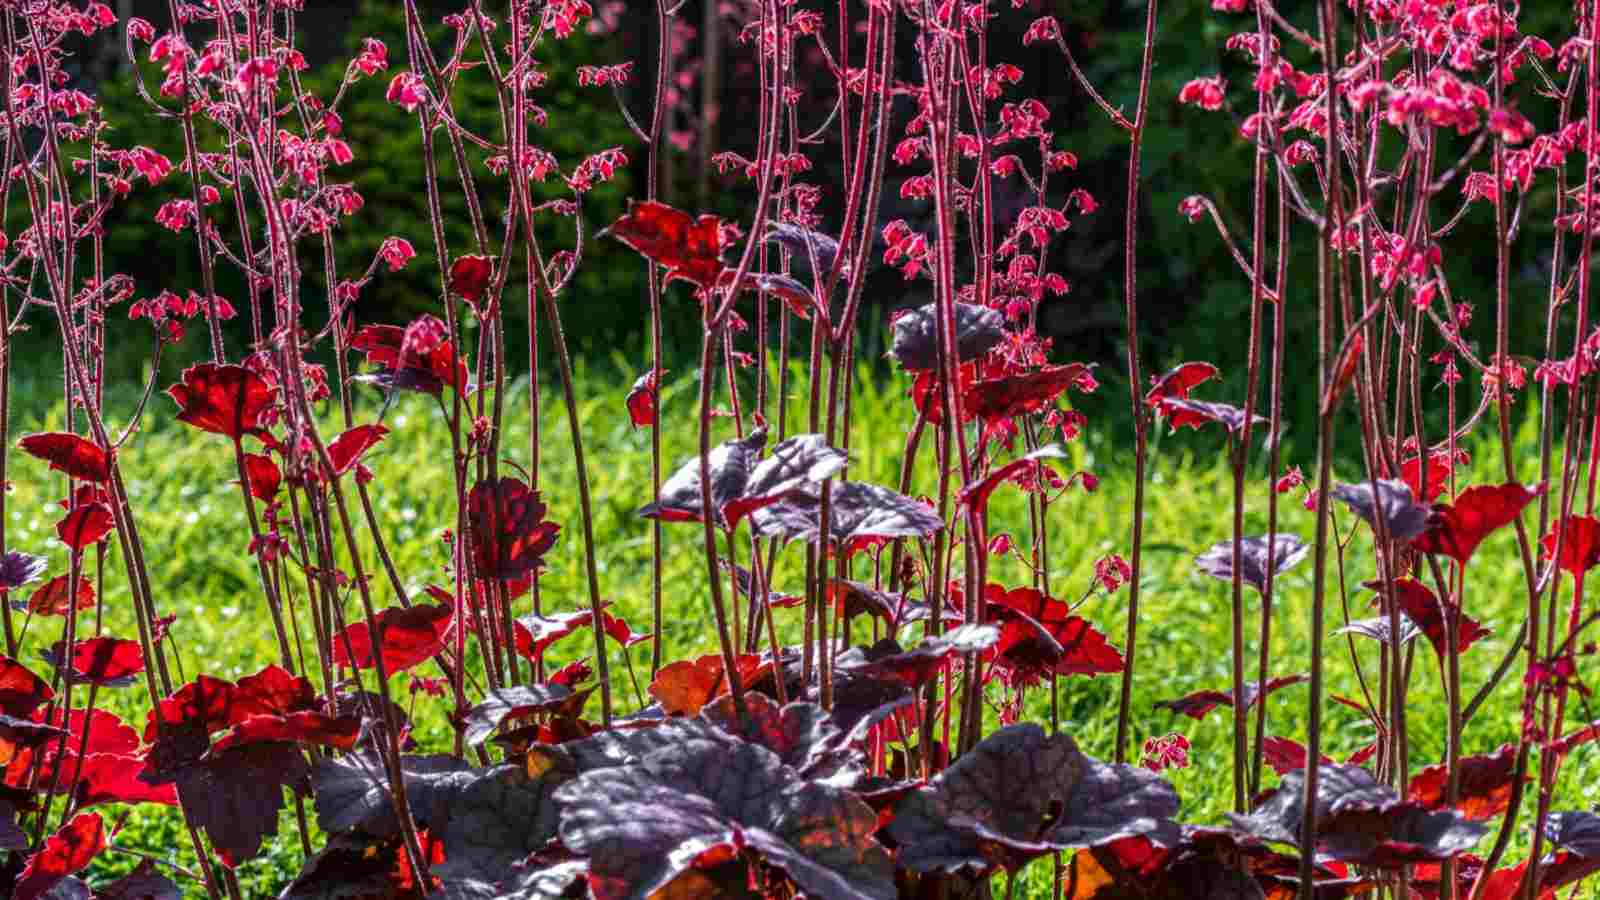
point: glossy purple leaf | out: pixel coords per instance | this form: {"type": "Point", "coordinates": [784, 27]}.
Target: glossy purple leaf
{"type": "Point", "coordinates": [500, 704]}
{"type": "Point", "coordinates": [1218, 561]}
{"type": "Point", "coordinates": [1199, 703]}
{"type": "Point", "coordinates": [922, 662]}
{"type": "Point", "coordinates": [644, 825]}
{"type": "Point", "coordinates": [1022, 793]}
{"type": "Point", "coordinates": [915, 344]}
{"type": "Point", "coordinates": [352, 792]}
{"type": "Point", "coordinates": [1377, 628]}
{"type": "Point", "coordinates": [804, 243]}
{"type": "Point", "coordinates": [1403, 516]}
{"type": "Point", "coordinates": [18, 569]}
{"type": "Point", "coordinates": [742, 482]}
{"type": "Point", "coordinates": [1195, 414]}
{"type": "Point", "coordinates": [1360, 820]}
{"type": "Point", "coordinates": [860, 512]}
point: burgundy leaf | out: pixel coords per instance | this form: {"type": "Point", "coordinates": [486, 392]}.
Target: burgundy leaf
{"type": "Point", "coordinates": [306, 726]}
{"type": "Point", "coordinates": [1285, 755]}
{"type": "Point", "coordinates": [347, 449]}
{"type": "Point", "coordinates": [236, 795]}
{"type": "Point", "coordinates": [21, 691]}
{"type": "Point", "coordinates": [915, 345]}
{"type": "Point", "coordinates": [1177, 383]}
{"type": "Point", "coordinates": [1021, 793]}
{"type": "Point", "coordinates": [85, 526]}
{"type": "Point", "coordinates": [224, 399]}
{"type": "Point", "coordinates": [143, 883]}
{"type": "Point", "coordinates": [51, 598]}
{"type": "Point", "coordinates": [690, 248]}
{"type": "Point", "coordinates": [101, 660]}
{"type": "Point", "coordinates": [1074, 646]}
{"type": "Point", "coordinates": [1456, 529]}
{"type": "Point", "coordinates": [852, 598]}
{"type": "Point", "coordinates": [1423, 608]}
{"type": "Point", "coordinates": [1199, 413]}
{"type": "Point", "coordinates": [1217, 562]}
{"type": "Point", "coordinates": [264, 476]}
{"type": "Point", "coordinates": [1198, 704]}
{"type": "Point", "coordinates": [470, 276]}
{"type": "Point", "coordinates": [66, 452]}
{"type": "Point", "coordinates": [1486, 783]}
{"type": "Point", "coordinates": [510, 535]}
{"type": "Point", "coordinates": [644, 399]}
{"type": "Point", "coordinates": [976, 495]}
{"type": "Point", "coordinates": [67, 851]}
{"type": "Point", "coordinates": [418, 357]}
{"type": "Point", "coordinates": [1403, 517]}
{"type": "Point", "coordinates": [804, 243]}
{"type": "Point", "coordinates": [1580, 543]}
{"type": "Point", "coordinates": [352, 792]}
{"type": "Point", "coordinates": [360, 865]}
{"type": "Point", "coordinates": [644, 825]}
{"type": "Point", "coordinates": [406, 638]}
{"type": "Point", "coordinates": [1007, 396]}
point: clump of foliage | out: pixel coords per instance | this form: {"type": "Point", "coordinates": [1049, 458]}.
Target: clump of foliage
{"type": "Point", "coordinates": [824, 767]}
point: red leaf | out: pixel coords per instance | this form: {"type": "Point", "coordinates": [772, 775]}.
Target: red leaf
{"type": "Point", "coordinates": [621, 632]}
{"type": "Point", "coordinates": [992, 399]}
{"type": "Point", "coordinates": [1178, 382]}
{"type": "Point", "coordinates": [1083, 649]}
{"type": "Point", "coordinates": [210, 704]}
{"type": "Point", "coordinates": [339, 732]}
{"type": "Point", "coordinates": [264, 476]}
{"type": "Point", "coordinates": [1580, 545]}
{"type": "Point", "coordinates": [115, 778]}
{"type": "Point", "coordinates": [69, 453]}
{"type": "Point", "coordinates": [1198, 413]}
{"type": "Point", "coordinates": [21, 691]}
{"type": "Point", "coordinates": [101, 660]}
{"type": "Point", "coordinates": [643, 399]}
{"type": "Point", "coordinates": [349, 447]}
{"type": "Point", "coordinates": [408, 637]}
{"type": "Point", "coordinates": [976, 495]}
{"type": "Point", "coordinates": [50, 598]}
{"type": "Point", "coordinates": [1455, 530]}
{"type": "Point", "coordinates": [469, 275]}
{"type": "Point", "coordinates": [67, 851]}
{"type": "Point", "coordinates": [1485, 784]}
{"type": "Point", "coordinates": [224, 399]}
{"type": "Point", "coordinates": [509, 533]}
{"type": "Point", "coordinates": [690, 248]}
{"type": "Point", "coordinates": [684, 687]}
{"type": "Point", "coordinates": [1199, 703]}
{"type": "Point", "coordinates": [1285, 755]}
{"type": "Point", "coordinates": [417, 357]}
{"type": "Point", "coordinates": [535, 634]}
{"type": "Point", "coordinates": [1423, 608]}
{"type": "Point", "coordinates": [85, 526]}
{"type": "Point", "coordinates": [1439, 468]}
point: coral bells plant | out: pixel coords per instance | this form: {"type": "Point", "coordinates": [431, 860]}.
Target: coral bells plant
{"type": "Point", "coordinates": [789, 756]}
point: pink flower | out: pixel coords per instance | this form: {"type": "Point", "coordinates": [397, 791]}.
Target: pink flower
{"type": "Point", "coordinates": [1205, 93]}
{"type": "Point", "coordinates": [374, 57]}
{"type": "Point", "coordinates": [1170, 751]}
{"type": "Point", "coordinates": [1112, 571]}
{"type": "Point", "coordinates": [257, 69]}
{"type": "Point", "coordinates": [396, 251]}
{"type": "Point", "coordinates": [407, 91]}
{"type": "Point", "coordinates": [152, 165]}
{"type": "Point", "coordinates": [176, 214]}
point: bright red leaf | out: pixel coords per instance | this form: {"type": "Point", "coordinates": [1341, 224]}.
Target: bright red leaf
{"type": "Point", "coordinates": [995, 399]}
{"type": "Point", "coordinates": [224, 399]}
{"type": "Point", "coordinates": [115, 778]}
{"type": "Point", "coordinates": [1178, 382]}
{"type": "Point", "coordinates": [1285, 755]}
{"type": "Point", "coordinates": [1424, 610]}
{"type": "Point", "coordinates": [308, 726]}
{"type": "Point", "coordinates": [643, 400]}
{"type": "Point", "coordinates": [1456, 529]}
{"type": "Point", "coordinates": [690, 248]}
{"type": "Point", "coordinates": [348, 448]}
{"type": "Point", "coordinates": [418, 357]}
{"type": "Point", "coordinates": [67, 851]}
{"type": "Point", "coordinates": [69, 453]}
{"type": "Point", "coordinates": [684, 687]}
{"type": "Point", "coordinates": [1081, 650]}
{"type": "Point", "coordinates": [1486, 782]}
{"type": "Point", "coordinates": [470, 275]}
{"type": "Point", "coordinates": [21, 691]}
{"type": "Point", "coordinates": [1580, 544]}
{"type": "Point", "coordinates": [50, 598]}
{"type": "Point", "coordinates": [101, 660]}
{"type": "Point", "coordinates": [85, 526]}
{"type": "Point", "coordinates": [264, 475]}
{"type": "Point", "coordinates": [407, 637]}
{"type": "Point", "coordinates": [509, 533]}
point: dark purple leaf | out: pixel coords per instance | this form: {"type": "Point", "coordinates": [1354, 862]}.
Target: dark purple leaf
{"type": "Point", "coordinates": [1403, 516]}
{"type": "Point", "coordinates": [1198, 704]}
{"type": "Point", "coordinates": [1218, 561]}
{"type": "Point", "coordinates": [803, 243]}
{"type": "Point", "coordinates": [644, 825]}
{"type": "Point", "coordinates": [1360, 820]}
{"type": "Point", "coordinates": [920, 663]}
{"type": "Point", "coordinates": [1197, 413]}
{"type": "Point", "coordinates": [915, 345]}
{"type": "Point", "coordinates": [860, 511]}
{"type": "Point", "coordinates": [352, 792]}
{"type": "Point", "coordinates": [741, 481]}
{"type": "Point", "coordinates": [500, 704]}
{"type": "Point", "coordinates": [143, 883]}
{"type": "Point", "coordinates": [18, 569]}
{"type": "Point", "coordinates": [236, 795]}
{"type": "Point", "coordinates": [361, 866]}
{"type": "Point", "coordinates": [803, 735]}
{"type": "Point", "coordinates": [1377, 628]}
{"type": "Point", "coordinates": [1575, 836]}
{"type": "Point", "coordinates": [495, 821]}
{"type": "Point", "coordinates": [1021, 793]}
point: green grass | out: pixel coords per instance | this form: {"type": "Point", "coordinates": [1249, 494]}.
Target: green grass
{"type": "Point", "coordinates": [193, 528]}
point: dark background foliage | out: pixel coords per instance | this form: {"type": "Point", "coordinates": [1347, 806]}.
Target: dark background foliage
{"type": "Point", "coordinates": [1193, 298]}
